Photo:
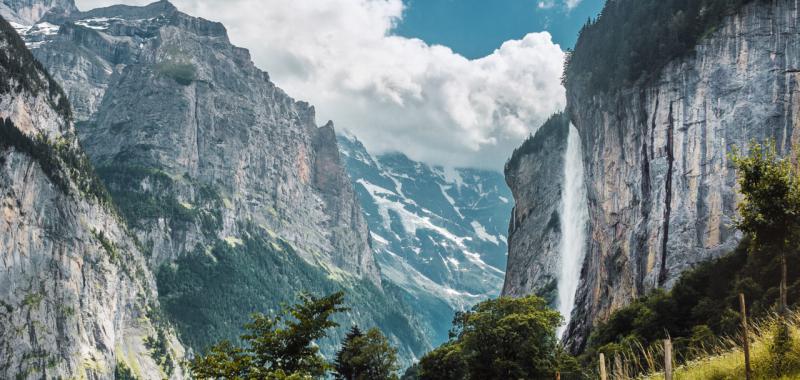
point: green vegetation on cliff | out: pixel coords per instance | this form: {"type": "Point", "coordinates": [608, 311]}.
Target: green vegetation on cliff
{"type": "Point", "coordinates": [557, 125]}
{"type": "Point", "coordinates": [635, 39]}
{"type": "Point", "coordinates": [209, 293]}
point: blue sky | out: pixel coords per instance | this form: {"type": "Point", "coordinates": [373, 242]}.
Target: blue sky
{"type": "Point", "coordinates": [475, 28]}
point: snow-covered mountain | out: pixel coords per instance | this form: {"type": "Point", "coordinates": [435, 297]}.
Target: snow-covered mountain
{"type": "Point", "coordinates": [439, 234]}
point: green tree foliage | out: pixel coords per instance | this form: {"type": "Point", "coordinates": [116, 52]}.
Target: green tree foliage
{"type": "Point", "coordinates": [444, 363]}
{"type": "Point", "coordinates": [635, 39]}
{"type": "Point", "coordinates": [505, 338]}
{"type": "Point", "coordinates": [122, 372]}
{"type": "Point", "coordinates": [770, 211]}
{"type": "Point", "coordinates": [277, 347]}
{"type": "Point", "coordinates": [366, 357]}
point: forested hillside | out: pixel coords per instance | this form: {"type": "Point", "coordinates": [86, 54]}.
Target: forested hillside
{"type": "Point", "coordinates": [632, 40]}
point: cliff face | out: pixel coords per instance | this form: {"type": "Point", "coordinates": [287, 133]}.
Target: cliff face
{"type": "Point", "coordinates": [536, 177]}
{"type": "Point", "coordinates": [164, 91]}
{"type": "Point", "coordinates": [227, 182]}
{"type": "Point", "coordinates": [77, 296]}
{"type": "Point", "coordinates": [662, 191]}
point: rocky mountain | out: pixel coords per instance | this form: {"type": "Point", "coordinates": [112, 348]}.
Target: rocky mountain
{"type": "Point", "coordinates": [661, 187]}
{"type": "Point", "coordinates": [78, 299]}
{"type": "Point", "coordinates": [439, 234]}
{"type": "Point", "coordinates": [536, 178]}
{"type": "Point", "coordinates": [238, 198]}
{"type": "Point", "coordinates": [29, 12]}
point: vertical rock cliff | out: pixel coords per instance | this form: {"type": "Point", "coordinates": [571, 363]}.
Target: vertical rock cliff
{"type": "Point", "coordinates": [180, 99]}
{"type": "Point", "coordinates": [238, 198]}
{"type": "Point", "coordinates": [77, 299]}
{"type": "Point", "coordinates": [535, 174]}
{"type": "Point", "coordinates": [661, 188]}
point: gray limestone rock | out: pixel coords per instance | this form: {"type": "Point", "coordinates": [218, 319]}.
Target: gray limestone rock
{"type": "Point", "coordinates": [77, 299]}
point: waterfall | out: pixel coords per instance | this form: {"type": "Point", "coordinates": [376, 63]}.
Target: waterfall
{"type": "Point", "coordinates": [574, 216]}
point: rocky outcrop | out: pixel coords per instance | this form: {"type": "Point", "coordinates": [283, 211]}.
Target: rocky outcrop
{"type": "Point", "coordinates": [661, 187]}
{"type": "Point", "coordinates": [535, 175]}
{"type": "Point", "coordinates": [77, 297]}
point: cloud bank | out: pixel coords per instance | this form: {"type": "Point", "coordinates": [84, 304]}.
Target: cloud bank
{"type": "Point", "coordinates": [395, 93]}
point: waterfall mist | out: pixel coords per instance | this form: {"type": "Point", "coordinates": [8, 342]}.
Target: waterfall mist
{"type": "Point", "coordinates": [574, 216]}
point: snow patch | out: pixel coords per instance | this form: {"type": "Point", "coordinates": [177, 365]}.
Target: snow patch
{"type": "Point", "coordinates": [410, 221]}
{"type": "Point", "coordinates": [97, 23]}
{"type": "Point", "coordinates": [481, 233]}
{"type": "Point", "coordinates": [378, 238]}
{"type": "Point", "coordinates": [450, 199]}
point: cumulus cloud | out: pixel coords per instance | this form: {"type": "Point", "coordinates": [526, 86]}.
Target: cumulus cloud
{"type": "Point", "coordinates": [395, 93]}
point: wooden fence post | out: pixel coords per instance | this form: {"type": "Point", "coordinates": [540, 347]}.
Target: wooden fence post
{"type": "Point", "coordinates": [745, 336]}
{"type": "Point", "coordinates": [603, 375]}
{"type": "Point", "coordinates": [668, 359]}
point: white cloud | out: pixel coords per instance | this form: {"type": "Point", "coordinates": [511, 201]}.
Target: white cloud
{"type": "Point", "coordinates": [568, 4]}
{"type": "Point", "coordinates": [395, 93]}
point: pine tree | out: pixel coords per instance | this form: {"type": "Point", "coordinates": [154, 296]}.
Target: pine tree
{"type": "Point", "coordinates": [366, 357]}
{"type": "Point", "coordinates": [278, 347]}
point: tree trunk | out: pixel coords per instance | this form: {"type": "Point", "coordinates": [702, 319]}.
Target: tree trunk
{"type": "Point", "coordinates": [745, 337]}
{"type": "Point", "coordinates": [783, 289]}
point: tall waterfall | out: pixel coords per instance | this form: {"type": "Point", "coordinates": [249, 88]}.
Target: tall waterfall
{"type": "Point", "coordinates": [574, 216]}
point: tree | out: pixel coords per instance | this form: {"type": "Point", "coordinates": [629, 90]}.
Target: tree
{"type": "Point", "coordinates": [770, 214]}
{"type": "Point", "coordinates": [444, 363]}
{"type": "Point", "coordinates": [278, 347]}
{"type": "Point", "coordinates": [366, 357]}
{"type": "Point", "coordinates": [770, 210]}
{"type": "Point", "coordinates": [505, 338]}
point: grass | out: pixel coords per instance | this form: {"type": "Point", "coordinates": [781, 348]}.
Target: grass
{"type": "Point", "coordinates": [726, 359]}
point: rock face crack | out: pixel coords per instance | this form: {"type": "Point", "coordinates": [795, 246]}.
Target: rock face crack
{"type": "Point", "coordinates": [646, 197]}
{"type": "Point", "coordinates": [662, 276]}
